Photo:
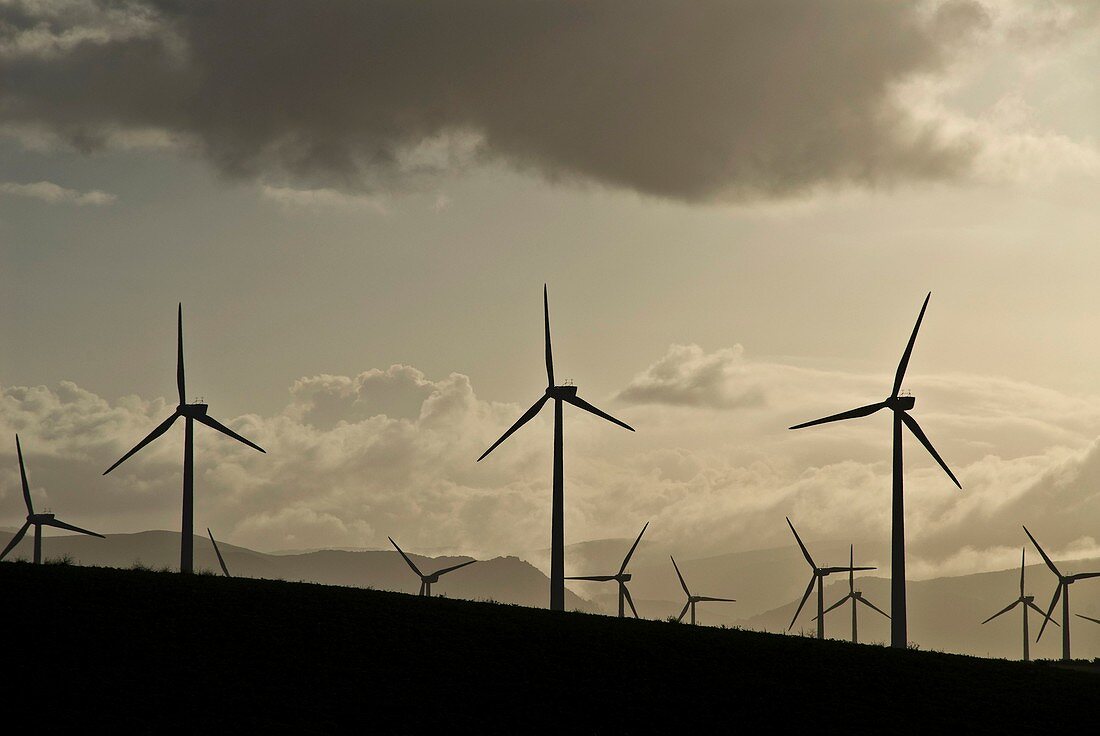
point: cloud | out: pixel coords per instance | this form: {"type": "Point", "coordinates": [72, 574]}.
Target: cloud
{"type": "Point", "coordinates": [352, 459]}
{"type": "Point", "coordinates": [686, 376]}
{"type": "Point", "coordinates": [47, 191]}
{"type": "Point", "coordinates": [320, 198]}
{"type": "Point", "coordinates": [713, 100]}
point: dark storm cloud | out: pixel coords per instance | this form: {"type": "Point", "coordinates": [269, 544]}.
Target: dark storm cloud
{"type": "Point", "coordinates": [695, 100]}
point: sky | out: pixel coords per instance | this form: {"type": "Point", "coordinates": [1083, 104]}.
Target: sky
{"type": "Point", "coordinates": [737, 206]}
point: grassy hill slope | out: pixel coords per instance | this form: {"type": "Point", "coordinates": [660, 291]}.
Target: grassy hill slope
{"type": "Point", "coordinates": [161, 652]}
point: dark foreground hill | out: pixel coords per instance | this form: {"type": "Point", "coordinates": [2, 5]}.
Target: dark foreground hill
{"type": "Point", "coordinates": [156, 652]}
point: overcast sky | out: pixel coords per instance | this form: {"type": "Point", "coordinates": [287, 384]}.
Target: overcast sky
{"type": "Point", "coordinates": [738, 206]}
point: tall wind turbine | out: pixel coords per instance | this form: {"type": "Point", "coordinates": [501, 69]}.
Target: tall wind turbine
{"type": "Point", "coordinates": [900, 406]}
{"type": "Point", "coordinates": [218, 552]}
{"type": "Point", "coordinates": [817, 576]}
{"type": "Point", "coordinates": [854, 596]}
{"type": "Point", "coordinates": [427, 580]}
{"type": "Point", "coordinates": [191, 413]}
{"type": "Point", "coordinates": [622, 577]}
{"type": "Point", "coordinates": [693, 599]}
{"type": "Point", "coordinates": [1027, 601]}
{"type": "Point", "coordinates": [559, 394]}
{"type": "Point", "coordinates": [37, 520]}
{"type": "Point", "coordinates": [1062, 591]}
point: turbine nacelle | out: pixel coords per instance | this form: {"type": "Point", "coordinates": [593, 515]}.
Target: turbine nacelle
{"type": "Point", "coordinates": [565, 393]}
{"type": "Point", "coordinates": [40, 518]}
{"type": "Point", "coordinates": [901, 403]}
{"type": "Point", "coordinates": [192, 410]}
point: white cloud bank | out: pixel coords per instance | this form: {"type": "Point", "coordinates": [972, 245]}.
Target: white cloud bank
{"type": "Point", "coordinates": [352, 459]}
{"type": "Point", "coordinates": [51, 193]}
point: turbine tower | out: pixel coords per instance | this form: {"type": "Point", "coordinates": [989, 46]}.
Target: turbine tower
{"type": "Point", "coordinates": [854, 596]}
{"type": "Point", "coordinates": [693, 599]}
{"type": "Point", "coordinates": [900, 406]}
{"type": "Point", "coordinates": [218, 552]}
{"type": "Point", "coordinates": [817, 576]}
{"type": "Point", "coordinates": [191, 413]}
{"type": "Point", "coordinates": [559, 394]}
{"type": "Point", "coordinates": [427, 580]}
{"type": "Point", "coordinates": [37, 520]}
{"type": "Point", "coordinates": [622, 577]}
{"type": "Point", "coordinates": [1027, 601]}
{"type": "Point", "coordinates": [1062, 591]}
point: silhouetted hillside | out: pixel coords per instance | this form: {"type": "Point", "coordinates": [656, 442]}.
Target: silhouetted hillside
{"type": "Point", "coordinates": [504, 579]}
{"type": "Point", "coordinates": [157, 652]}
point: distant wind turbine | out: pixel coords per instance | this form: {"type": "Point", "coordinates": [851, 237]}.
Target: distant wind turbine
{"type": "Point", "coordinates": [693, 599]}
{"type": "Point", "coordinates": [191, 413]}
{"type": "Point", "coordinates": [559, 394]}
{"type": "Point", "coordinates": [1062, 591]}
{"type": "Point", "coordinates": [36, 520]}
{"type": "Point", "coordinates": [1027, 601]}
{"type": "Point", "coordinates": [854, 596]}
{"type": "Point", "coordinates": [900, 405]}
{"type": "Point", "coordinates": [218, 552]}
{"type": "Point", "coordinates": [427, 580]}
{"type": "Point", "coordinates": [622, 577]}
{"type": "Point", "coordinates": [817, 576]}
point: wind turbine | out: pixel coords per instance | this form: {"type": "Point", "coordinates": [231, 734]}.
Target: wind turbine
{"type": "Point", "coordinates": [427, 580]}
{"type": "Point", "coordinates": [191, 413]}
{"type": "Point", "coordinates": [559, 394]}
{"type": "Point", "coordinates": [37, 520]}
{"type": "Point", "coordinates": [218, 552]}
{"type": "Point", "coordinates": [1062, 591]}
{"type": "Point", "coordinates": [854, 595]}
{"type": "Point", "coordinates": [900, 406]}
{"type": "Point", "coordinates": [818, 576]}
{"type": "Point", "coordinates": [693, 599]}
{"type": "Point", "coordinates": [622, 577]}
{"type": "Point", "coordinates": [1028, 601]}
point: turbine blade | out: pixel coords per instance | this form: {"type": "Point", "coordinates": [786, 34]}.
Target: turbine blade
{"type": "Point", "coordinates": [904, 363]}
{"type": "Point", "coordinates": [831, 570]}
{"type": "Point", "coordinates": [452, 568]}
{"type": "Point", "coordinates": [1043, 554]}
{"type": "Point", "coordinates": [580, 403]}
{"type": "Point", "coordinates": [593, 578]}
{"type": "Point", "coordinates": [527, 416]}
{"type": "Point", "coordinates": [838, 604]}
{"type": "Point", "coordinates": [1088, 618]}
{"type": "Point", "coordinates": [15, 540]}
{"type": "Point", "coordinates": [805, 552]}
{"type": "Point", "coordinates": [181, 385]}
{"type": "Point", "coordinates": [682, 583]}
{"type": "Point", "coordinates": [411, 564]}
{"type": "Point", "coordinates": [23, 477]}
{"type": "Point", "coordinates": [1053, 603]}
{"type": "Point", "coordinates": [1084, 575]}
{"type": "Point", "coordinates": [919, 434]}
{"type": "Point", "coordinates": [681, 616]}
{"type": "Point", "coordinates": [866, 602]}
{"type": "Point", "coordinates": [626, 560]}
{"type": "Point", "coordinates": [809, 589]}
{"type": "Point", "coordinates": [851, 568]}
{"type": "Point", "coordinates": [218, 552]}
{"type": "Point", "coordinates": [718, 600]}
{"type": "Point", "coordinates": [62, 525]}
{"type": "Point", "coordinates": [630, 602]}
{"type": "Point", "coordinates": [1006, 609]}
{"type": "Point", "coordinates": [1040, 612]}
{"type": "Point", "coordinates": [549, 352]}
{"type": "Point", "coordinates": [850, 414]}
{"type": "Point", "coordinates": [422, 586]}
{"type": "Point", "coordinates": [1023, 558]}
{"type": "Point", "coordinates": [213, 423]}
{"type": "Point", "coordinates": [161, 429]}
